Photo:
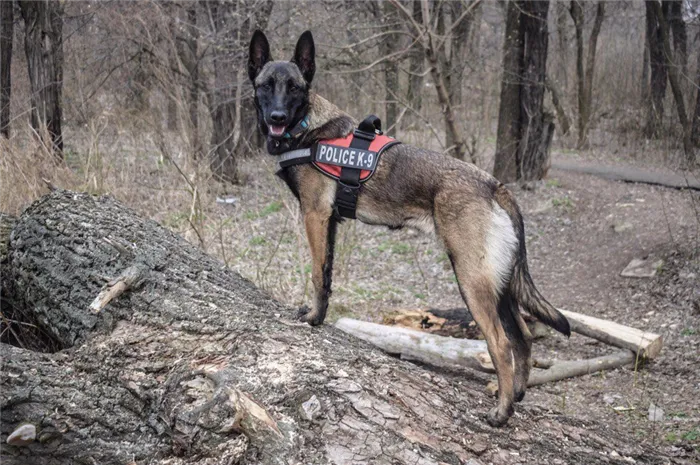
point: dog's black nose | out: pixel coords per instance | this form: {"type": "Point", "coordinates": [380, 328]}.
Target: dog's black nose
{"type": "Point", "coordinates": [278, 116]}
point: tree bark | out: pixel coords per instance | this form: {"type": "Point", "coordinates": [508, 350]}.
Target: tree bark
{"type": "Point", "coordinates": [43, 42]}
{"type": "Point", "coordinates": [416, 65]}
{"type": "Point", "coordinates": [389, 45]}
{"type": "Point", "coordinates": [585, 71]}
{"type": "Point", "coordinates": [696, 116]}
{"type": "Point", "coordinates": [562, 117]}
{"type": "Point", "coordinates": [563, 39]}
{"type": "Point", "coordinates": [222, 160]}
{"type": "Point", "coordinates": [674, 78]}
{"type": "Point", "coordinates": [6, 37]}
{"type": "Point", "coordinates": [679, 33]}
{"type": "Point", "coordinates": [524, 129]}
{"type": "Point", "coordinates": [506, 165]}
{"type": "Point", "coordinates": [659, 72]}
{"type": "Point", "coordinates": [194, 365]}
{"type": "Point", "coordinates": [537, 127]}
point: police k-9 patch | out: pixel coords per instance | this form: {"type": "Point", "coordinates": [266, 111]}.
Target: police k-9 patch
{"type": "Point", "coordinates": [345, 156]}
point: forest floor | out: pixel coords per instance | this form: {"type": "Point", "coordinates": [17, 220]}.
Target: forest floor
{"type": "Point", "coordinates": [582, 231]}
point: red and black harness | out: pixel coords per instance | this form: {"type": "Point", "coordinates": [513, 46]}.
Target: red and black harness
{"type": "Point", "coordinates": [350, 160]}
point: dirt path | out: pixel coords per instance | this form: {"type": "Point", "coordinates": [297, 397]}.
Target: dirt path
{"type": "Point", "coordinates": [630, 174]}
{"type": "Point", "coordinates": [582, 231]}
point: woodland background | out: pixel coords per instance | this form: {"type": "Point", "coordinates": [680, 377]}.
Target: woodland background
{"type": "Point", "coordinates": [149, 101]}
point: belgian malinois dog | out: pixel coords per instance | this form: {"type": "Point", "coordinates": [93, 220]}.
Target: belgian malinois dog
{"type": "Point", "coordinates": [470, 212]}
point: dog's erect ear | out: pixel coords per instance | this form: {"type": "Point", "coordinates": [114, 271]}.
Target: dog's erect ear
{"type": "Point", "coordinates": [258, 54]}
{"type": "Point", "coordinates": [305, 56]}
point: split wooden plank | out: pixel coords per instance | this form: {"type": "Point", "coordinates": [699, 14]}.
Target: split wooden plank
{"type": "Point", "coordinates": [643, 343]}
{"type": "Point", "coordinates": [417, 345]}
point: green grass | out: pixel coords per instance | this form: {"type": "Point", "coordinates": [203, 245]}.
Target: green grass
{"type": "Point", "coordinates": [269, 209]}
{"type": "Point", "coordinates": [689, 332]}
{"type": "Point", "coordinates": [691, 436]}
{"type": "Point", "coordinates": [564, 202]}
{"type": "Point", "coordinates": [257, 240]}
{"type": "Point", "coordinates": [553, 183]}
{"type": "Point", "coordinates": [400, 248]}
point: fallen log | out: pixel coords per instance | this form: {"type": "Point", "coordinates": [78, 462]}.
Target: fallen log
{"type": "Point", "coordinates": [643, 343]}
{"type": "Point", "coordinates": [411, 344]}
{"type": "Point", "coordinates": [195, 365]}
{"type": "Point", "coordinates": [559, 370]}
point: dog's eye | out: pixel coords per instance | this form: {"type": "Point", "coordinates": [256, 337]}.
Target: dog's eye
{"type": "Point", "coordinates": [292, 86]}
{"type": "Point", "coordinates": [267, 85]}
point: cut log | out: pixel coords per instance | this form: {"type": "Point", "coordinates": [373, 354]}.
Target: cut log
{"type": "Point", "coordinates": [411, 344]}
{"type": "Point", "coordinates": [198, 366]}
{"type": "Point", "coordinates": [559, 370]}
{"type": "Point", "coordinates": [643, 343]}
{"type": "Point", "coordinates": [569, 369]}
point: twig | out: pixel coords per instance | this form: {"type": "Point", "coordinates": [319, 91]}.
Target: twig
{"type": "Point", "coordinates": [130, 278]}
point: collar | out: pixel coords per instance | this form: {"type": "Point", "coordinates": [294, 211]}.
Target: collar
{"type": "Point", "coordinates": [300, 127]}
{"type": "Point", "coordinates": [294, 157]}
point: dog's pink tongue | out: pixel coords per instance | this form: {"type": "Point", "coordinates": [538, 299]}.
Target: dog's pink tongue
{"type": "Point", "coordinates": [276, 130]}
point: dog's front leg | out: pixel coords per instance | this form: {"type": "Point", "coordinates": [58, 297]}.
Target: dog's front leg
{"type": "Point", "coordinates": [320, 232]}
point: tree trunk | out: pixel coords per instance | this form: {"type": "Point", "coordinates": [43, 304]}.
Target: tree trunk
{"type": "Point", "coordinates": [675, 80]}
{"type": "Point", "coordinates": [562, 117]}
{"type": "Point", "coordinates": [6, 37]}
{"type": "Point", "coordinates": [507, 162]}
{"type": "Point", "coordinates": [585, 71]}
{"type": "Point", "coordinates": [43, 22]}
{"type": "Point", "coordinates": [563, 39]}
{"type": "Point", "coordinates": [391, 68]}
{"type": "Point", "coordinates": [696, 116]}
{"type": "Point", "coordinates": [416, 65]}
{"type": "Point", "coordinates": [659, 72]}
{"type": "Point", "coordinates": [524, 130]}
{"type": "Point", "coordinates": [194, 365]}
{"type": "Point", "coordinates": [537, 127]}
{"type": "Point", "coordinates": [644, 90]}
{"type": "Point", "coordinates": [680, 35]}
{"type": "Point", "coordinates": [459, 46]}
{"type": "Point", "coordinates": [222, 154]}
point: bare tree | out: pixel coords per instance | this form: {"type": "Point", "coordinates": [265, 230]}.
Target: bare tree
{"type": "Point", "coordinates": [6, 36]}
{"type": "Point", "coordinates": [432, 41]}
{"type": "Point", "coordinates": [585, 72]}
{"type": "Point", "coordinates": [696, 117]}
{"type": "Point", "coordinates": [524, 130]}
{"type": "Point", "coordinates": [43, 41]}
{"type": "Point", "coordinates": [417, 62]}
{"type": "Point", "coordinates": [659, 72]}
{"type": "Point", "coordinates": [679, 33]}
{"type": "Point", "coordinates": [674, 78]}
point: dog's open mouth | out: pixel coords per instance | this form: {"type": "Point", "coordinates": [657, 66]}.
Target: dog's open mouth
{"type": "Point", "coordinates": [275, 130]}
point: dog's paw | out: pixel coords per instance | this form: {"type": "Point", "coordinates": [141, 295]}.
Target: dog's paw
{"type": "Point", "coordinates": [309, 316]}
{"type": "Point", "coordinates": [303, 311]}
{"type": "Point", "coordinates": [497, 418]}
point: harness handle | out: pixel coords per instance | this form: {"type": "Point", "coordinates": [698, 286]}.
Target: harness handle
{"type": "Point", "coordinates": [372, 125]}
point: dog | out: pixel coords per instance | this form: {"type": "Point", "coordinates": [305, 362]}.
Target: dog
{"type": "Point", "coordinates": [474, 215]}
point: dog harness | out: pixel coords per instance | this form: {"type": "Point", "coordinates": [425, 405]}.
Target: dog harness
{"type": "Point", "coordinates": [350, 160]}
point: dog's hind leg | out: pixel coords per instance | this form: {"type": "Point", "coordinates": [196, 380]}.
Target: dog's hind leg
{"type": "Point", "coordinates": [520, 338]}
{"type": "Point", "coordinates": [481, 244]}
{"type": "Point", "coordinates": [478, 293]}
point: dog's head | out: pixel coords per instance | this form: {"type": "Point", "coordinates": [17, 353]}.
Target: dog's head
{"type": "Point", "coordinates": [281, 87]}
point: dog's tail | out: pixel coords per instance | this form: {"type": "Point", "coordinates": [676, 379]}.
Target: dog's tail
{"type": "Point", "coordinates": [521, 284]}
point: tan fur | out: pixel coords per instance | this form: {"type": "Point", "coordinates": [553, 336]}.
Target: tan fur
{"type": "Point", "coordinates": [418, 188]}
